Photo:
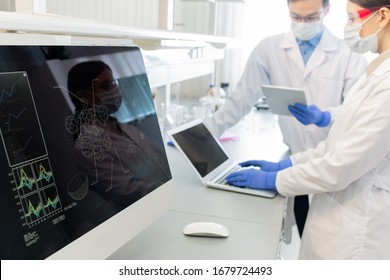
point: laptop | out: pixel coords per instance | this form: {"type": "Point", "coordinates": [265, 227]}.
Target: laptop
{"type": "Point", "coordinates": [208, 158]}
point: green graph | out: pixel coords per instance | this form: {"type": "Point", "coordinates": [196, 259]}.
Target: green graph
{"type": "Point", "coordinates": [36, 210]}
{"type": "Point", "coordinates": [26, 181]}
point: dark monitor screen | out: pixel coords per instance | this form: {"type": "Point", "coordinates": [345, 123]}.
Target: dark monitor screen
{"type": "Point", "coordinates": [80, 142]}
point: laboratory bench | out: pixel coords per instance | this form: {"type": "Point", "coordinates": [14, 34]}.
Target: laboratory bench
{"type": "Point", "coordinates": [255, 223]}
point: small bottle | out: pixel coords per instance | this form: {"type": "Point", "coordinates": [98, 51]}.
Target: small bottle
{"type": "Point", "coordinates": [213, 97]}
{"type": "Point", "coordinates": [211, 91]}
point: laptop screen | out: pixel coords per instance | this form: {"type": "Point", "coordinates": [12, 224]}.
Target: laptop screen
{"type": "Point", "coordinates": [201, 148]}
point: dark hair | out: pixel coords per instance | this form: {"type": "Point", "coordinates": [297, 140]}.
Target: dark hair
{"type": "Point", "coordinates": [81, 76]}
{"type": "Point", "coordinates": [371, 3]}
{"type": "Point", "coordinates": [325, 3]}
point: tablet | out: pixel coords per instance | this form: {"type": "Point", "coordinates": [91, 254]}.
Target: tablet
{"type": "Point", "coordinates": [278, 98]}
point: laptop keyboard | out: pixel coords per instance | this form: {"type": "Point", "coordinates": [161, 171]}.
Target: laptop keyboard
{"type": "Point", "coordinates": [223, 181]}
{"type": "Point", "coordinates": [224, 185]}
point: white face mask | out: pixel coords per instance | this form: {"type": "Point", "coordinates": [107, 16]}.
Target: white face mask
{"type": "Point", "coordinates": [306, 30]}
{"type": "Point", "coordinates": [358, 44]}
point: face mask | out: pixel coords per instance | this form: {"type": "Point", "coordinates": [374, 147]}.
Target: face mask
{"type": "Point", "coordinates": [306, 30]}
{"type": "Point", "coordinates": [112, 101]}
{"type": "Point", "coordinates": [358, 44]}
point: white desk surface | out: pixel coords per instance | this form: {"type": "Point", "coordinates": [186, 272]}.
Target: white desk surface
{"type": "Point", "coordinates": [255, 223]}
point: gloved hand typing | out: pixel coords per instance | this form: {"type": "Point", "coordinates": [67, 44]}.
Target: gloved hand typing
{"type": "Point", "coordinates": [254, 179]}
{"type": "Point", "coordinates": [268, 165]}
{"type": "Point", "coordinates": [310, 114]}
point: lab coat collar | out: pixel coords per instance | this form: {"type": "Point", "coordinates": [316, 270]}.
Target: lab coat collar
{"type": "Point", "coordinates": [290, 45]}
{"type": "Point", "coordinates": [327, 43]}
{"type": "Point", "coordinates": [380, 65]}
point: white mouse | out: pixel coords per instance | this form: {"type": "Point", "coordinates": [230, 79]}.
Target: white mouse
{"type": "Point", "coordinates": [207, 229]}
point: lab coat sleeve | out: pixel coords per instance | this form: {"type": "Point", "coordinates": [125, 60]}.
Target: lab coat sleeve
{"type": "Point", "coordinates": [357, 65]}
{"type": "Point", "coordinates": [246, 94]}
{"type": "Point", "coordinates": [358, 149]}
{"type": "Point", "coordinates": [308, 154]}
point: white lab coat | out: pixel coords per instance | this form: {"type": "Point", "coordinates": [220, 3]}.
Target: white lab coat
{"type": "Point", "coordinates": [329, 74]}
{"type": "Point", "coordinates": [349, 175]}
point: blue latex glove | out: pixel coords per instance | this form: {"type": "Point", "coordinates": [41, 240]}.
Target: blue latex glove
{"type": "Point", "coordinates": [310, 114]}
{"type": "Point", "coordinates": [254, 179]}
{"type": "Point", "coordinates": [268, 165]}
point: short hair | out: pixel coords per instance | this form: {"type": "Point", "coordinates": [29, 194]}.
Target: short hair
{"type": "Point", "coordinates": [371, 3]}
{"type": "Point", "coordinates": [325, 3]}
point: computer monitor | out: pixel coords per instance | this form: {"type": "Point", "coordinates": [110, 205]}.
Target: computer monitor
{"type": "Point", "coordinates": [83, 167]}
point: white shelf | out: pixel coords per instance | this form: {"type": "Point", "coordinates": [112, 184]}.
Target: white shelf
{"type": "Point", "coordinates": [59, 25]}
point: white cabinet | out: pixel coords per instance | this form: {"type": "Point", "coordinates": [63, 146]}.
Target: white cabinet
{"type": "Point", "coordinates": [131, 13]}
{"type": "Point", "coordinates": [7, 5]}
{"type": "Point", "coordinates": [194, 16]}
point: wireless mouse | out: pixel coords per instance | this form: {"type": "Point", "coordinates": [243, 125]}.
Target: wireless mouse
{"type": "Point", "coordinates": [206, 229]}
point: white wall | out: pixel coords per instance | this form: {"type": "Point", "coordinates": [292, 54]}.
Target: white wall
{"type": "Point", "coordinates": [229, 22]}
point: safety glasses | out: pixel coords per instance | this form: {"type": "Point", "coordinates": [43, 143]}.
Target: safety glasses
{"type": "Point", "coordinates": [310, 18]}
{"type": "Point", "coordinates": [361, 14]}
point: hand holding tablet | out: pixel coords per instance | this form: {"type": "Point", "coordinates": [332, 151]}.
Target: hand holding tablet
{"type": "Point", "coordinates": [279, 98]}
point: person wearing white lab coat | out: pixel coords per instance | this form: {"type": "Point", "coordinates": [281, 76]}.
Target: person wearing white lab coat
{"type": "Point", "coordinates": [329, 73]}
{"type": "Point", "coordinates": [348, 173]}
